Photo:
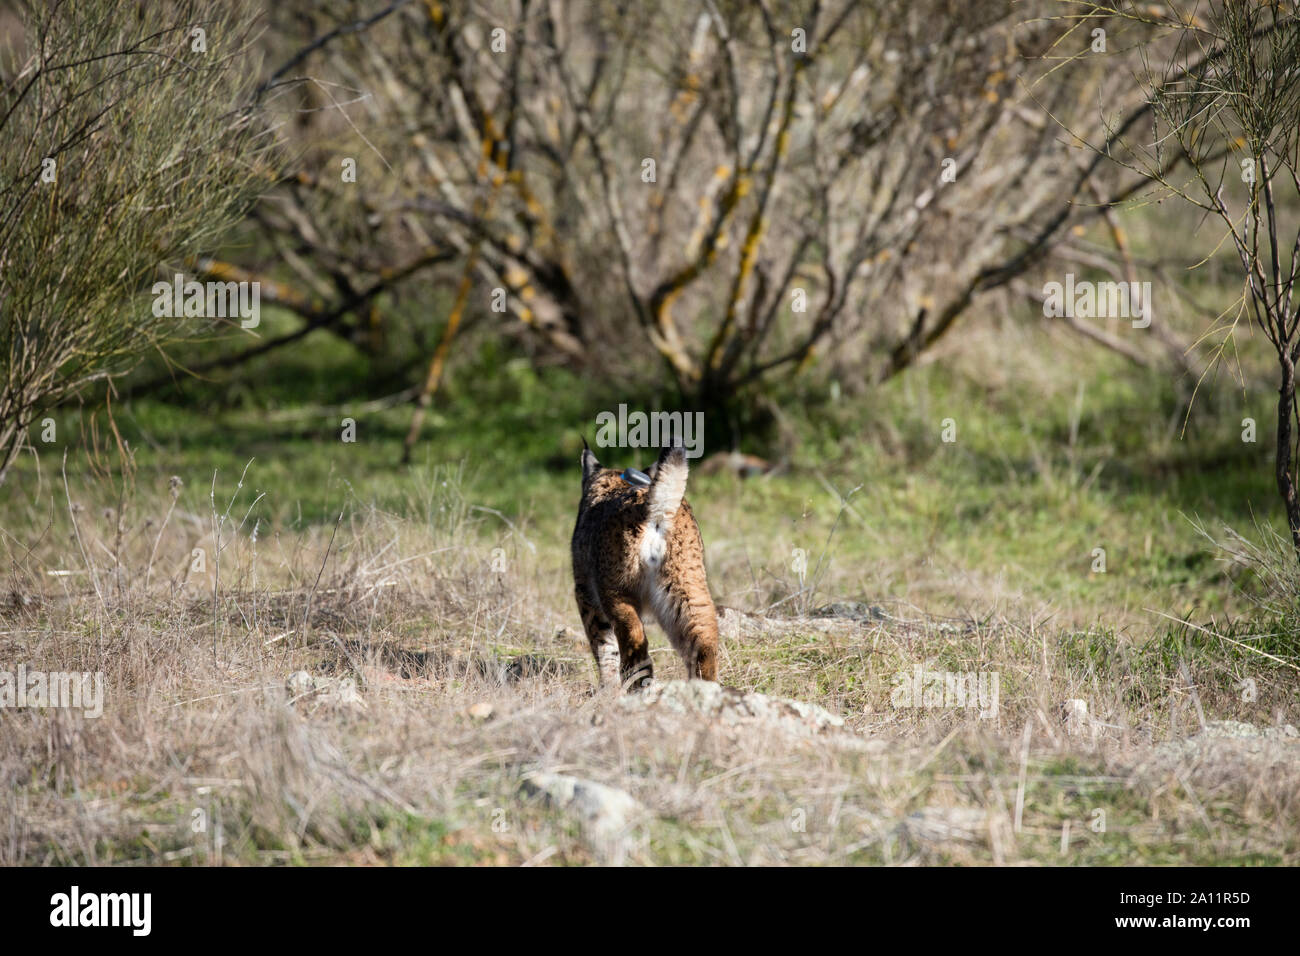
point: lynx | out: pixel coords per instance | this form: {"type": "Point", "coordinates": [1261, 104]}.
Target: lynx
{"type": "Point", "coordinates": [636, 545]}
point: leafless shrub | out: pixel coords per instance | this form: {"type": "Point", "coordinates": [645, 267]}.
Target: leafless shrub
{"type": "Point", "coordinates": [1223, 83]}
{"type": "Point", "coordinates": [737, 189]}
{"type": "Point", "coordinates": [121, 146]}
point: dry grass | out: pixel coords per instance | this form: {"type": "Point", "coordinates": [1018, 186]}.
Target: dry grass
{"type": "Point", "coordinates": [471, 679]}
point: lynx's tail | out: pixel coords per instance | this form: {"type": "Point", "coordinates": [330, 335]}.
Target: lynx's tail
{"type": "Point", "coordinates": [669, 486]}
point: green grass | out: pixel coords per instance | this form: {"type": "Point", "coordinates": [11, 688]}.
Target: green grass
{"type": "Point", "coordinates": [1016, 506]}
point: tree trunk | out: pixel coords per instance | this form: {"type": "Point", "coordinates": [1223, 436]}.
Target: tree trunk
{"type": "Point", "coordinates": [13, 431]}
{"type": "Point", "coordinates": [1285, 480]}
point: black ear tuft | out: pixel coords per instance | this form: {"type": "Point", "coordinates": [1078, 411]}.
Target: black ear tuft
{"type": "Point", "coordinates": [674, 453]}
{"type": "Point", "coordinates": [589, 462]}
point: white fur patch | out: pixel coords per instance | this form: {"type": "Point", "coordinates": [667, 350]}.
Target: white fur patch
{"type": "Point", "coordinates": [665, 611]}
{"type": "Point", "coordinates": [654, 545]}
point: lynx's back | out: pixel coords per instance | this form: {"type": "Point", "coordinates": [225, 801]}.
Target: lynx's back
{"type": "Point", "coordinates": [637, 547]}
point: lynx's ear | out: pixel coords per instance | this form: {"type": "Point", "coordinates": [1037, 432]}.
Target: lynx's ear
{"type": "Point", "coordinates": [589, 462]}
{"type": "Point", "coordinates": [669, 485]}
{"type": "Point", "coordinates": [665, 454]}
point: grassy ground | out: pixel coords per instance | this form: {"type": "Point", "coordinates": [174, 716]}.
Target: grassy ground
{"type": "Point", "coordinates": [1060, 451]}
{"type": "Point", "coordinates": [443, 592]}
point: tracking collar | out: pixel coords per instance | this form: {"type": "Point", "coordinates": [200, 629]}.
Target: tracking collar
{"type": "Point", "coordinates": [637, 478]}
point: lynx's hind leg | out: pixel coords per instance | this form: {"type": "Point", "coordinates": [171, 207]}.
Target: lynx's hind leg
{"type": "Point", "coordinates": [634, 649]}
{"type": "Point", "coordinates": [603, 641]}
{"type": "Point", "coordinates": [688, 617]}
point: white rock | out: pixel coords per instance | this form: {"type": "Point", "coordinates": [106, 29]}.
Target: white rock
{"type": "Point", "coordinates": [607, 814]}
{"type": "Point", "coordinates": [324, 691]}
{"type": "Point", "coordinates": [1074, 713]}
{"type": "Point", "coordinates": [732, 707]}
{"type": "Point", "coordinates": [299, 683]}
